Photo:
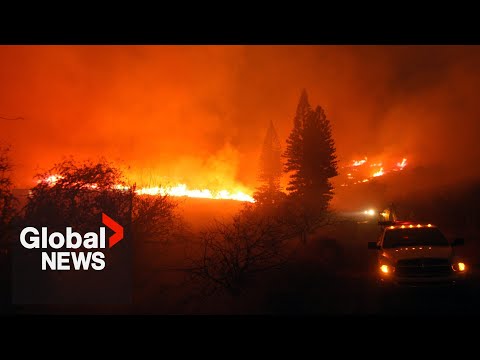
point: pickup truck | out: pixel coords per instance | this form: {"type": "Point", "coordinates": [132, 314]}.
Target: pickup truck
{"type": "Point", "coordinates": [410, 254]}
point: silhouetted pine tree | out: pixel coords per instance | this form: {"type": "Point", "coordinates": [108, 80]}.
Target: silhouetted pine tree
{"type": "Point", "coordinates": [270, 172]}
{"type": "Point", "coordinates": [319, 159]}
{"type": "Point", "coordinates": [311, 163]}
{"type": "Point", "coordinates": [294, 150]}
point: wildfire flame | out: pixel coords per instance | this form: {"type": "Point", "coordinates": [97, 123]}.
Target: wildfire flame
{"type": "Point", "coordinates": [182, 190]}
{"type": "Point", "coordinates": [402, 164]}
{"type": "Point", "coordinates": [379, 169]}
{"type": "Point", "coordinates": [51, 180]}
{"type": "Point", "coordinates": [379, 173]}
{"type": "Point", "coordinates": [359, 162]}
{"type": "Point", "coordinates": [178, 190]}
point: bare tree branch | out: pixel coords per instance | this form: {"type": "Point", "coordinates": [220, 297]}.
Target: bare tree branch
{"type": "Point", "coordinates": [233, 251]}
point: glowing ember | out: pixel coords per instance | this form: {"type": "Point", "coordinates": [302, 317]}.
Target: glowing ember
{"type": "Point", "coordinates": [178, 190]}
{"type": "Point", "coordinates": [379, 173]}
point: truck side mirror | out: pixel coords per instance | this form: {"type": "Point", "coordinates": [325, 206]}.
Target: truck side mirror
{"type": "Point", "coordinates": [458, 242]}
{"type": "Point", "coordinates": [372, 245]}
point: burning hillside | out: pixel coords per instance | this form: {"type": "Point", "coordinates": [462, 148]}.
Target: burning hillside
{"type": "Point", "coordinates": [362, 171]}
{"type": "Point", "coordinates": [353, 173]}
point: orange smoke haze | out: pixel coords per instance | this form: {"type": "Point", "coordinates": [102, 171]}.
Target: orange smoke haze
{"type": "Point", "coordinates": [198, 114]}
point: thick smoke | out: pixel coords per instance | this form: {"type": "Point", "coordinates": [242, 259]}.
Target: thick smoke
{"type": "Point", "coordinates": [198, 114]}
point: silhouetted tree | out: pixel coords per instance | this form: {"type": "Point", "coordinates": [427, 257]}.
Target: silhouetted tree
{"type": "Point", "coordinates": [311, 163]}
{"type": "Point", "coordinates": [7, 199]}
{"type": "Point", "coordinates": [320, 163]}
{"type": "Point", "coordinates": [269, 191]}
{"type": "Point", "coordinates": [155, 219]}
{"type": "Point", "coordinates": [233, 252]}
{"type": "Point", "coordinates": [75, 194]}
{"type": "Point", "coordinates": [294, 151]}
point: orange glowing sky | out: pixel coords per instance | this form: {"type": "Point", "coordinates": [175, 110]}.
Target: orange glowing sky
{"type": "Point", "coordinates": [198, 114]}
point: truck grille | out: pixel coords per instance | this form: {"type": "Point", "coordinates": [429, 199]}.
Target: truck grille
{"type": "Point", "coordinates": [428, 267]}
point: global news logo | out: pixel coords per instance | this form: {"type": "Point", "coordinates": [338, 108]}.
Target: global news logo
{"type": "Point", "coordinates": [87, 249]}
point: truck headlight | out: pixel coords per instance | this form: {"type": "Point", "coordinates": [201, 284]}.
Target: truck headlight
{"type": "Point", "coordinates": [386, 269]}
{"type": "Point", "coordinates": [459, 266]}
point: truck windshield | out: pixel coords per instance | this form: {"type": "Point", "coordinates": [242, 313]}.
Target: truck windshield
{"type": "Point", "coordinates": [414, 237]}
